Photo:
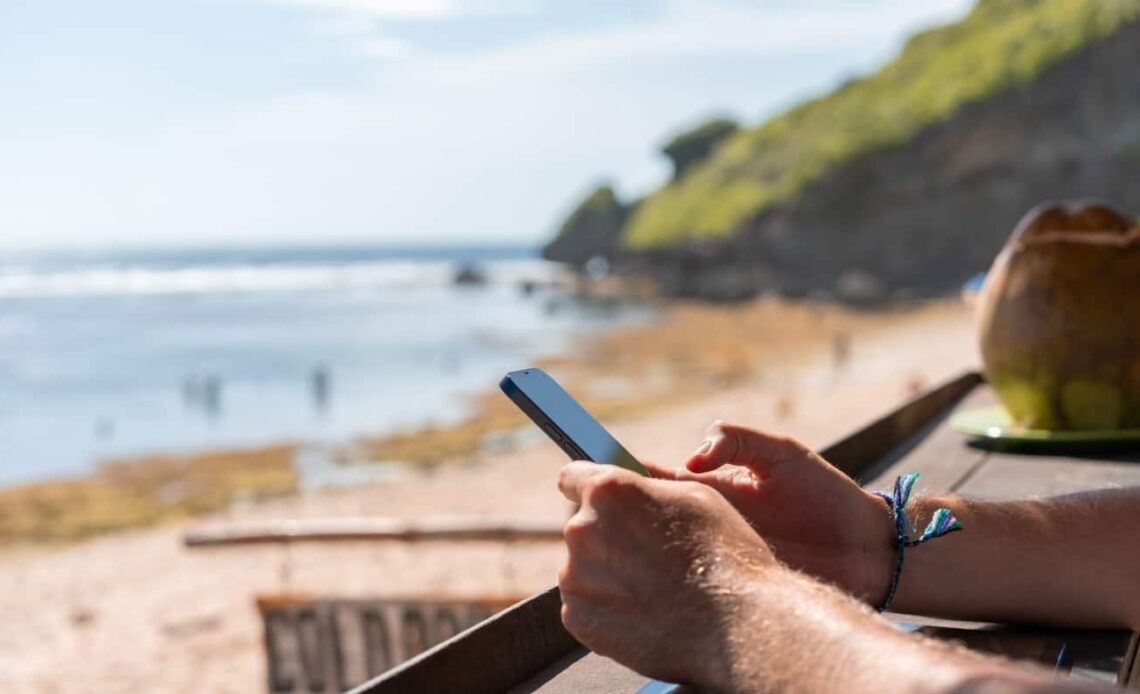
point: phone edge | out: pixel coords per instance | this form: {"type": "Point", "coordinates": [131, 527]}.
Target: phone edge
{"type": "Point", "coordinates": [536, 415]}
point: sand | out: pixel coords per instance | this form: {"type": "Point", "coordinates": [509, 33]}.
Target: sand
{"type": "Point", "coordinates": [137, 611]}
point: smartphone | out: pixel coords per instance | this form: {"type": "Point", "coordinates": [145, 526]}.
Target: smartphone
{"type": "Point", "coordinates": [565, 421]}
{"type": "Point", "coordinates": [569, 425]}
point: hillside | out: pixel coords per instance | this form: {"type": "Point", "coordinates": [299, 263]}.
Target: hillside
{"type": "Point", "coordinates": [910, 179]}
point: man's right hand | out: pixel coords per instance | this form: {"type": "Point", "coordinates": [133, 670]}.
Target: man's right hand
{"type": "Point", "coordinates": [658, 572]}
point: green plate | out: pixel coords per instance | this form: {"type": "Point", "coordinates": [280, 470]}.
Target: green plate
{"type": "Point", "coordinates": [995, 423]}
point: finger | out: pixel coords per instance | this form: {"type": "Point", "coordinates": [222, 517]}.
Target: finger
{"type": "Point", "coordinates": [739, 445]}
{"type": "Point", "coordinates": [573, 476]}
{"type": "Point", "coordinates": [576, 476]}
{"type": "Point", "coordinates": [663, 472]}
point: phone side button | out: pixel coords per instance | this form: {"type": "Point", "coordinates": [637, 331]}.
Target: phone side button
{"type": "Point", "coordinates": [553, 433]}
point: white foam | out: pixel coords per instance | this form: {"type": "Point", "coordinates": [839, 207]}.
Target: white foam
{"type": "Point", "coordinates": [24, 283]}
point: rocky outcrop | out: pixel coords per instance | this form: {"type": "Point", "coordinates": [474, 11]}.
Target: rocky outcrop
{"type": "Point", "coordinates": [692, 147]}
{"type": "Point", "coordinates": [593, 229]}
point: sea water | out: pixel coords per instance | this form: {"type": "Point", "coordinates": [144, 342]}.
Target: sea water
{"type": "Point", "coordinates": [121, 354]}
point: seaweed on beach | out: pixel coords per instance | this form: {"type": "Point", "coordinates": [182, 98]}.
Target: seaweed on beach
{"type": "Point", "coordinates": [138, 492]}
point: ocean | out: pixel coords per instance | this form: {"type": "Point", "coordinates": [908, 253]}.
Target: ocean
{"type": "Point", "coordinates": [130, 353]}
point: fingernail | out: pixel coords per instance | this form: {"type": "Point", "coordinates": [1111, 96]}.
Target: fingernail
{"type": "Point", "coordinates": [704, 448]}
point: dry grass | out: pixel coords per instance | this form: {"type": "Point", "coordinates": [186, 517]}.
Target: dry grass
{"type": "Point", "coordinates": [144, 491]}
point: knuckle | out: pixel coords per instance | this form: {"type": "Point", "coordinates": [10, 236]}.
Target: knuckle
{"type": "Point", "coordinates": [577, 532]}
{"type": "Point", "coordinates": [577, 619]}
{"type": "Point", "coordinates": [564, 476]}
{"type": "Point", "coordinates": [572, 619]}
{"type": "Point", "coordinates": [607, 486]}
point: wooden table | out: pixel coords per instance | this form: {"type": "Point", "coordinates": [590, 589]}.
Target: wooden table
{"type": "Point", "coordinates": [525, 649]}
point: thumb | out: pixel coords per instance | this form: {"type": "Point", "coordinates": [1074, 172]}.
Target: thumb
{"type": "Point", "coordinates": [733, 444]}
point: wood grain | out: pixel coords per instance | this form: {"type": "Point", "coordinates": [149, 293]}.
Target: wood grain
{"type": "Point", "coordinates": [493, 656]}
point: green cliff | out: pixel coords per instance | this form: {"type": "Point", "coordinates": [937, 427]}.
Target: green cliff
{"type": "Point", "coordinates": [999, 46]}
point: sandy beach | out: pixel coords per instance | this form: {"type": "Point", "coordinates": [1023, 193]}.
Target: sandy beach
{"type": "Point", "coordinates": [137, 611]}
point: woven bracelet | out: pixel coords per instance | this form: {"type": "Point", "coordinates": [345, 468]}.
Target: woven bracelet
{"type": "Point", "coordinates": [941, 524]}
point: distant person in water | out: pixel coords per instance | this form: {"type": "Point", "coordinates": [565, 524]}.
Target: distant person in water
{"type": "Point", "coordinates": [320, 385]}
{"type": "Point", "coordinates": [211, 394]}
{"type": "Point", "coordinates": [204, 393]}
{"type": "Point", "coordinates": [760, 562]}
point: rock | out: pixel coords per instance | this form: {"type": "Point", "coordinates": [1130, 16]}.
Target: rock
{"type": "Point", "coordinates": [469, 275]}
{"type": "Point", "coordinates": [694, 146]}
{"type": "Point", "coordinates": [593, 230]}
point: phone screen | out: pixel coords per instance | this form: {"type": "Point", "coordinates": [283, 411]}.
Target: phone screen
{"type": "Point", "coordinates": [565, 421]}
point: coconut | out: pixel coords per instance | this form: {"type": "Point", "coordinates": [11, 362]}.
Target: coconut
{"type": "Point", "coordinates": [1060, 319]}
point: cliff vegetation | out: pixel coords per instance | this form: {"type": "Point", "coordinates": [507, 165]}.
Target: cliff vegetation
{"type": "Point", "coordinates": [1000, 45]}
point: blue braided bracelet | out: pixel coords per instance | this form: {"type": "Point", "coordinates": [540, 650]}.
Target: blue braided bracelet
{"type": "Point", "coordinates": [941, 524]}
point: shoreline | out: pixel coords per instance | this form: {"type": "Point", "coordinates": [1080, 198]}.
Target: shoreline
{"type": "Point", "coordinates": [626, 372]}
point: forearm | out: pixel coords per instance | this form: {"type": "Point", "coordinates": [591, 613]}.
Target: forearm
{"type": "Point", "coordinates": [1068, 560]}
{"type": "Point", "coordinates": [821, 640]}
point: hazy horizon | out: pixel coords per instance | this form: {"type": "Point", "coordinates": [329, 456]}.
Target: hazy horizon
{"type": "Point", "coordinates": [258, 123]}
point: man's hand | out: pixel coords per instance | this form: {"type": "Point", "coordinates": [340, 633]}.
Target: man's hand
{"type": "Point", "coordinates": [667, 578]}
{"type": "Point", "coordinates": [656, 571]}
{"type": "Point", "coordinates": [813, 516]}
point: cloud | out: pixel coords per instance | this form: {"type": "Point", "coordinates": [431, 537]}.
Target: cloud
{"type": "Point", "coordinates": [362, 23]}
{"type": "Point", "coordinates": [385, 47]}
{"type": "Point", "coordinates": [689, 28]}
{"type": "Point", "coordinates": [414, 9]}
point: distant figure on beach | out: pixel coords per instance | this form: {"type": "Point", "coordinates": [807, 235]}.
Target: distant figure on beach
{"type": "Point", "coordinates": [915, 383]}
{"type": "Point", "coordinates": [320, 386]}
{"type": "Point", "coordinates": [785, 407]}
{"type": "Point", "coordinates": [840, 350]}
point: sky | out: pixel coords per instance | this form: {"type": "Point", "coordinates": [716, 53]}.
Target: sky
{"type": "Point", "coordinates": [159, 123]}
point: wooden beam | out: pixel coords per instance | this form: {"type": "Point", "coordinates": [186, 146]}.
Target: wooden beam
{"type": "Point", "coordinates": [885, 440]}
{"type": "Point", "coordinates": [508, 648]}
{"type": "Point", "coordinates": [342, 529]}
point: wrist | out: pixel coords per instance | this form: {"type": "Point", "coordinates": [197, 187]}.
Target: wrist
{"type": "Point", "coordinates": [890, 575]}
{"type": "Point", "coordinates": [877, 555]}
